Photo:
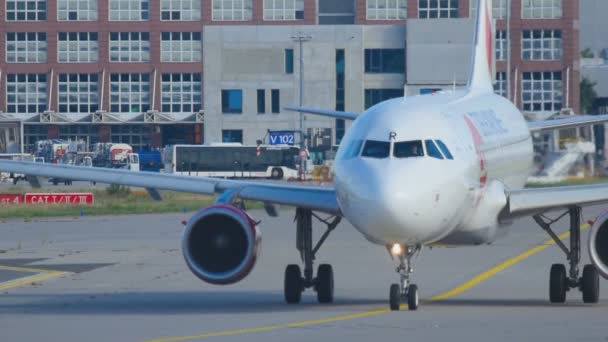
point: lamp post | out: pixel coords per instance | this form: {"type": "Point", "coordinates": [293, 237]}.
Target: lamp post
{"type": "Point", "coordinates": [300, 38]}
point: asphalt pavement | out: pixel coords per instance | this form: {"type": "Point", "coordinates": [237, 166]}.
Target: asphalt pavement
{"type": "Point", "coordinates": [123, 278]}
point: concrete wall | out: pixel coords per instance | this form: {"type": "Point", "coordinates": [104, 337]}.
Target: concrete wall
{"type": "Point", "coordinates": [593, 25]}
{"type": "Point", "coordinates": [438, 51]}
{"type": "Point", "coordinates": [252, 57]}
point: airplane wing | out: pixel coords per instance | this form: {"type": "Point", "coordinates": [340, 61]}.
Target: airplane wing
{"type": "Point", "coordinates": [324, 112]}
{"type": "Point", "coordinates": [574, 121]}
{"type": "Point", "coordinates": [527, 202]}
{"type": "Point", "coordinates": [310, 197]}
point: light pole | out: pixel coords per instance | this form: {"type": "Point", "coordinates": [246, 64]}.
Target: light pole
{"type": "Point", "coordinates": [300, 38]}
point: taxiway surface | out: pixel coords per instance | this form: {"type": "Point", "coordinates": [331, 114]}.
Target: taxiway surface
{"type": "Point", "coordinates": [124, 279]}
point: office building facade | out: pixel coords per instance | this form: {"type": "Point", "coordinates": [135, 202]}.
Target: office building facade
{"type": "Point", "coordinates": [151, 73]}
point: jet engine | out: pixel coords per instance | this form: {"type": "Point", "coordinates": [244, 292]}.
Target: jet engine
{"type": "Point", "coordinates": [598, 244]}
{"type": "Point", "coordinates": [220, 244]}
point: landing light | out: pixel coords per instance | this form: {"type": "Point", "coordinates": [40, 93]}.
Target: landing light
{"type": "Point", "coordinates": [396, 250]}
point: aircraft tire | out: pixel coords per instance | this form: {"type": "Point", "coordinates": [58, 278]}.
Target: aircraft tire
{"type": "Point", "coordinates": [557, 283]}
{"type": "Point", "coordinates": [412, 297]}
{"type": "Point", "coordinates": [293, 285]}
{"type": "Point", "coordinates": [325, 283]}
{"type": "Point", "coordinates": [394, 299]}
{"type": "Point", "coordinates": [590, 284]}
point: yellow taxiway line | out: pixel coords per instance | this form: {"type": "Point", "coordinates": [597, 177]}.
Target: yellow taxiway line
{"type": "Point", "coordinates": [454, 292]}
{"type": "Point", "coordinates": [30, 280]}
{"type": "Point", "coordinates": [41, 275]}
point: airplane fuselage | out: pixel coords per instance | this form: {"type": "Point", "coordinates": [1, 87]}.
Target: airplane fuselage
{"type": "Point", "coordinates": [396, 184]}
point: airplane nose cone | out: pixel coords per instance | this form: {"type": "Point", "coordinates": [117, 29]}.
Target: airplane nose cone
{"type": "Point", "coordinates": [388, 206]}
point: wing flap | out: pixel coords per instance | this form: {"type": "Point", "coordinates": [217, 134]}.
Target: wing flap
{"type": "Point", "coordinates": [532, 201]}
{"type": "Point", "coordinates": [574, 121]}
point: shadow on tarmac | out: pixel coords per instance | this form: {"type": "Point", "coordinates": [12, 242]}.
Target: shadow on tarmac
{"type": "Point", "coordinates": [173, 302]}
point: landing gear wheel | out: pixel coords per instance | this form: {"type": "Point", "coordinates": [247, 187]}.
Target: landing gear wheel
{"type": "Point", "coordinates": [412, 297]}
{"type": "Point", "coordinates": [293, 285]}
{"type": "Point", "coordinates": [394, 298]}
{"type": "Point", "coordinates": [557, 283]}
{"type": "Point", "coordinates": [590, 284]}
{"type": "Point", "coordinates": [325, 284]}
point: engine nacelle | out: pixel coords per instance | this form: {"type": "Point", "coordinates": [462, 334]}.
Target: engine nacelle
{"type": "Point", "coordinates": [598, 244]}
{"type": "Point", "coordinates": [220, 244]}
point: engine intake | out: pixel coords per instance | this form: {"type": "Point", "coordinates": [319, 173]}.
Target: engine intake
{"type": "Point", "coordinates": [598, 244]}
{"type": "Point", "coordinates": [220, 244]}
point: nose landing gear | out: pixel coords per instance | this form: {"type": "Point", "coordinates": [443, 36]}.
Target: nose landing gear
{"type": "Point", "coordinates": [405, 290]}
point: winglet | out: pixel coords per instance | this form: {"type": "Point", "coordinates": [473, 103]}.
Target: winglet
{"type": "Point", "coordinates": [483, 51]}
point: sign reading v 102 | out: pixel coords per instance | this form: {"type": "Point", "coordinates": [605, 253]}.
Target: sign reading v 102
{"type": "Point", "coordinates": [282, 138]}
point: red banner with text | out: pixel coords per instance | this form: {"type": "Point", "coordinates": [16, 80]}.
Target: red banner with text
{"type": "Point", "coordinates": [61, 199]}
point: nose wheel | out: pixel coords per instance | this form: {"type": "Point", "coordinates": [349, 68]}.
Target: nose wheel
{"type": "Point", "coordinates": [404, 291]}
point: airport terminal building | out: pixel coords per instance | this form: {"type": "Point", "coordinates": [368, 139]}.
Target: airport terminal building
{"type": "Point", "coordinates": [156, 72]}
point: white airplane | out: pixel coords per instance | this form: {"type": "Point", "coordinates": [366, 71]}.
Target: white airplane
{"type": "Point", "coordinates": [441, 169]}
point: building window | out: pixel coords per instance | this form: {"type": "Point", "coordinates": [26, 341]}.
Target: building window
{"type": "Point", "coordinates": [502, 47]}
{"type": "Point", "coordinates": [261, 101]}
{"type": "Point", "coordinates": [542, 45]}
{"type": "Point", "coordinates": [232, 10]}
{"type": "Point", "coordinates": [374, 96]}
{"type": "Point", "coordinates": [22, 10]}
{"type": "Point", "coordinates": [232, 136]}
{"type": "Point", "coordinates": [386, 9]}
{"type": "Point", "coordinates": [384, 60]}
{"type": "Point", "coordinates": [437, 9]}
{"type": "Point", "coordinates": [129, 10]}
{"type": "Point", "coordinates": [499, 8]}
{"type": "Point", "coordinates": [78, 47]}
{"type": "Point", "coordinates": [232, 101]}
{"type": "Point", "coordinates": [542, 91]}
{"type": "Point", "coordinates": [542, 9]}
{"type": "Point", "coordinates": [275, 101]}
{"type": "Point", "coordinates": [283, 9]}
{"type": "Point", "coordinates": [26, 93]}
{"type": "Point", "coordinates": [180, 10]}
{"type": "Point", "coordinates": [26, 47]}
{"type": "Point", "coordinates": [77, 10]}
{"type": "Point", "coordinates": [129, 93]}
{"type": "Point", "coordinates": [129, 47]}
{"type": "Point", "coordinates": [340, 89]}
{"type": "Point", "coordinates": [500, 86]}
{"type": "Point", "coordinates": [78, 93]}
{"type": "Point", "coordinates": [289, 61]}
{"type": "Point", "coordinates": [138, 136]}
{"type": "Point", "coordinates": [181, 93]}
{"type": "Point", "coordinates": [180, 47]}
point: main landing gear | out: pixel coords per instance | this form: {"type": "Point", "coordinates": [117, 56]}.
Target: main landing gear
{"type": "Point", "coordinates": [295, 283]}
{"type": "Point", "coordinates": [560, 281]}
{"type": "Point", "coordinates": [405, 290]}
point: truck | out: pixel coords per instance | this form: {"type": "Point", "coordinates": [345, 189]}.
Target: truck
{"type": "Point", "coordinates": [151, 161]}
{"type": "Point", "coordinates": [115, 155]}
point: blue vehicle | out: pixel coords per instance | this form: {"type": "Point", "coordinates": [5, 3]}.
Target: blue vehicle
{"type": "Point", "coordinates": [150, 161]}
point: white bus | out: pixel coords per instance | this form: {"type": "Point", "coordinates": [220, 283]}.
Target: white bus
{"type": "Point", "coordinates": [232, 161]}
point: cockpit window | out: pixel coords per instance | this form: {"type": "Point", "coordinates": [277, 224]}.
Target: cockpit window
{"type": "Point", "coordinates": [408, 149]}
{"type": "Point", "coordinates": [444, 149]}
{"type": "Point", "coordinates": [432, 150]}
{"type": "Point", "coordinates": [376, 149]}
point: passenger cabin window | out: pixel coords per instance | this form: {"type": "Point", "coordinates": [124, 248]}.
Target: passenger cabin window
{"type": "Point", "coordinates": [408, 149]}
{"type": "Point", "coordinates": [432, 150]}
{"type": "Point", "coordinates": [444, 149]}
{"type": "Point", "coordinates": [376, 149]}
